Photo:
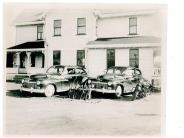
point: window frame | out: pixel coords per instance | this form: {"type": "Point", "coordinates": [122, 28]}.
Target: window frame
{"type": "Point", "coordinates": [80, 59]}
{"type": "Point", "coordinates": [134, 25]}
{"type": "Point", "coordinates": [59, 56]}
{"type": "Point", "coordinates": [107, 57]}
{"type": "Point", "coordinates": [56, 27]}
{"type": "Point", "coordinates": [80, 26]}
{"type": "Point", "coordinates": [41, 38]}
{"type": "Point", "coordinates": [134, 59]}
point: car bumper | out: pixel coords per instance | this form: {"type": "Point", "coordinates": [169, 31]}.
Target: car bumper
{"type": "Point", "coordinates": [32, 90]}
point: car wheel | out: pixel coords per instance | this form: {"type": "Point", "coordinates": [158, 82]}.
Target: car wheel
{"type": "Point", "coordinates": [49, 91]}
{"type": "Point", "coordinates": [118, 91]}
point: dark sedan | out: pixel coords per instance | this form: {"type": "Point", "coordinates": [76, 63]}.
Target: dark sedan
{"type": "Point", "coordinates": [120, 81]}
{"type": "Point", "coordinates": [58, 78]}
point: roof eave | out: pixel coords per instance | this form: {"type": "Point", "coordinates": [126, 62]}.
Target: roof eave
{"type": "Point", "coordinates": [141, 45]}
{"type": "Point", "coordinates": [124, 14]}
{"type": "Point", "coordinates": [27, 49]}
{"type": "Point", "coordinates": [29, 23]}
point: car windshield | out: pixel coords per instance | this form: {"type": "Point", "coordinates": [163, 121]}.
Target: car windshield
{"type": "Point", "coordinates": [55, 70]}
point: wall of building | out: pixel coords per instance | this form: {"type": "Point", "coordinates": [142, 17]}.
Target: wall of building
{"type": "Point", "coordinates": [96, 62]}
{"type": "Point", "coordinates": [122, 57]}
{"type": "Point", "coordinates": [69, 42]}
{"type": "Point", "coordinates": [26, 33]}
{"type": "Point", "coordinates": [119, 26]}
{"type": "Point", "coordinates": [146, 62]}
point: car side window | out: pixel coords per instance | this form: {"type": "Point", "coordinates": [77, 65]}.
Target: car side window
{"type": "Point", "coordinates": [110, 71]}
{"type": "Point", "coordinates": [79, 71]}
{"type": "Point", "coordinates": [117, 71]}
{"type": "Point", "coordinates": [137, 72]}
{"type": "Point", "coordinates": [71, 71]}
{"type": "Point", "coordinates": [129, 72]}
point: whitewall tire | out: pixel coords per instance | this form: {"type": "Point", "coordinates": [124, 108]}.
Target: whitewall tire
{"type": "Point", "coordinates": [118, 91]}
{"type": "Point", "coordinates": [49, 91]}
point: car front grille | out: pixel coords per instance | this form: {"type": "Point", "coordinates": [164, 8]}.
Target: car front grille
{"type": "Point", "coordinates": [29, 84]}
{"type": "Point", "coordinates": [99, 85]}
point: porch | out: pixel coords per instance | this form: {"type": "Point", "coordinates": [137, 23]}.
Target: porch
{"type": "Point", "coordinates": [26, 58]}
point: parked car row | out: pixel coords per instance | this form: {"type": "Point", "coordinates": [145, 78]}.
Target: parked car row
{"type": "Point", "coordinates": [119, 81]}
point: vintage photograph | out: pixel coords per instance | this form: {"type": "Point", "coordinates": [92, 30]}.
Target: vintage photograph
{"type": "Point", "coordinates": [84, 69]}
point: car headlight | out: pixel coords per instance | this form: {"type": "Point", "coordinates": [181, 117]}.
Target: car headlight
{"type": "Point", "coordinates": [89, 81]}
{"type": "Point", "coordinates": [38, 83]}
{"type": "Point", "coordinates": [23, 81]}
{"type": "Point", "coordinates": [109, 83]}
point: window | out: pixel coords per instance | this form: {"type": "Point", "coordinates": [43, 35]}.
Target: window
{"type": "Point", "coordinates": [71, 71]}
{"type": "Point", "coordinates": [56, 57]}
{"type": "Point", "coordinates": [128, 72]}
{"type": "Point", "coordinates": [57, 27]}
{"type": "Point", "coordinates": [80, 71]}
{"type": "Point", "coordinates": [133, 25]}
{"type": "Point", "coordinates": [81, 26]}
{"type": "Point", "coordinates": [117, 71]}
{"type": "Point", "coordinates": [80, 57]}
{"type": "Point", "coordinates": [110, 71]}
{"type": "Point", "coordinates": [110, 58]}
{"type": "Point", "coordinates": [39, 32]}
{"type": "Point", "coordinates": [134, 58]}
{"type": "Point", "coordinates": [55, 70]}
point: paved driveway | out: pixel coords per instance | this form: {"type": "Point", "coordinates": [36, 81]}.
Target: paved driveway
{"type": "Point", "coordinates": [58, 115]}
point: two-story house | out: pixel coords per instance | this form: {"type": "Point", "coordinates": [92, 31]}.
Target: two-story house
{"type": "Point", "coordinates": [91, 38]}
{"type": "Point", "coordinates": [52, 37]}
{"type": "Point", "coordinates": [130, 38]}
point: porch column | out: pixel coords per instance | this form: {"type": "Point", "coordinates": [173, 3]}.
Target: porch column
{"type": "Point", "coordinates": [17, 59]}
{"type": "Point", "coordinates": [28, 59]}
{"type": "Point", "coordinates": [44, 60]}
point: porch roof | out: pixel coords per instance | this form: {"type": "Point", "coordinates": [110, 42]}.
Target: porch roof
{"type": "Point", "coordinates": [28, 45]}
{"type": "Point", "coordinates": [125, 40]}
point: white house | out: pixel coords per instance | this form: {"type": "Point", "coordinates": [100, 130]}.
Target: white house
{"type": "Point", "coordinates": [91, 38]}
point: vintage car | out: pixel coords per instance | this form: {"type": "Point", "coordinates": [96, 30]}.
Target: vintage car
{"type": "Point", "coordinates": [121, 81]}
{"type": "Point", "coordinates": [58, 78]}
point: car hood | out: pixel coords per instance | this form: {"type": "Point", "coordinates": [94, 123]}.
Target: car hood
{"type": "Point", "coordinates": [105, 78]}
{"type": "Point", "coordinates": [36, 77]}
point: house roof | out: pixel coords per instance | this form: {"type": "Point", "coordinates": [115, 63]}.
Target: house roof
{"type": "Point", "coordinates": [29, 45]}
{"type": "Point", "coordinates": [125, 40]}
{"type": "Point", "coordinates": [30, 16]}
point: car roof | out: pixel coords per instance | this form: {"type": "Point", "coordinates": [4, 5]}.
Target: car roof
{"type": "Point", "coordinates": [68, 66]}
{"type": "Point", "coordinates": [123, 67]}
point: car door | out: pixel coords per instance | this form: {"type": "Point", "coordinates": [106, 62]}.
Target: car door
{"type": "Point", "coordinates": [129, 80]}
{"type": "Point", "coordinates": [67, 76]}
{"type": "Point", "coordinates": [80, 74]}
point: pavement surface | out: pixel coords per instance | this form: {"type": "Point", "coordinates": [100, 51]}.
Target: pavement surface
{"type": "Point", "coordinates": [29, 115]}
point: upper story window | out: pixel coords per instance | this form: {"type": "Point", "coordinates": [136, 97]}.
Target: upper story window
{"type": "Point", "coordinates": [39, 32]}
{"type": "Point", "coordinates": [133, 25]}
{"type": "Point", "coordinates": [81, 26]}
{"type": "Point", "coordinates": [57, 27]}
